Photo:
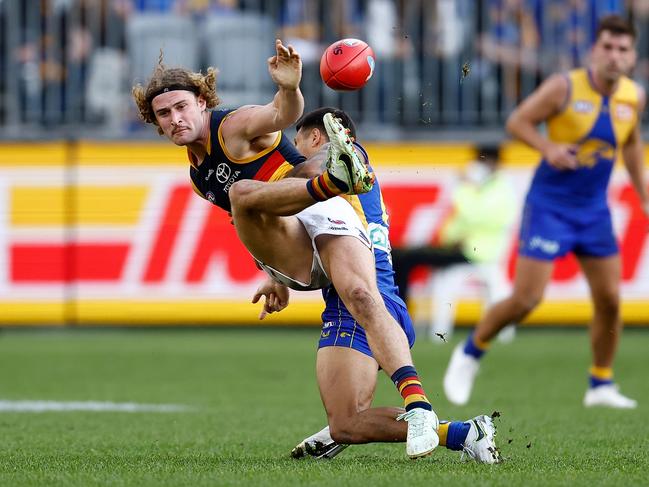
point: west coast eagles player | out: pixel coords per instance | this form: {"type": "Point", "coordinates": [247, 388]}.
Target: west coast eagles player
{"type": "Point", "coordinates": [239, 162]}
{"type": "Point", "coordinates": [592, 115]}
{"type": "Point", "coordinates": [346, 369]}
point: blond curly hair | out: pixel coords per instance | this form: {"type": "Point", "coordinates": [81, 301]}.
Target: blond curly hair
{"type": "Point", "coordinates": [167, 79]}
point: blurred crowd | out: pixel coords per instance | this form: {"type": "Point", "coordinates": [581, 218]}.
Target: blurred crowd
{"type": "Point", "coordinates": [71, 62]}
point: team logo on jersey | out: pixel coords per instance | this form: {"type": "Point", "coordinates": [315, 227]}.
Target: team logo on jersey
{"type": "Point", "coordinates": [379, 237]}
{"type": "Point", "coordinates": [623, 112]}
{"type": "Point", "coordinates": [583, 106]}
{"type": "Point", "coordinates": [223, 172]}
{"type": "Point", "coordinates": [209, 174]}
{"type": "Point", "coordinates": [591, 151]}
{"type": "Point", "coordinates": [210, 197]}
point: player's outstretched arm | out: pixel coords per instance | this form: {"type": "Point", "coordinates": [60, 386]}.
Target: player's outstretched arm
{"type": "Point", "coordinates": [254, 121]}
{"type": "Point", "coordinates": [633, 156]}
{"type": "Point", "coordinates": [545, 101]}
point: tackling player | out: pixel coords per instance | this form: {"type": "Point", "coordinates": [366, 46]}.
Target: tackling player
{"type": "Point", "coordinates": [345, 367]}
{"type": "Point", "coordinates": [592, 115]}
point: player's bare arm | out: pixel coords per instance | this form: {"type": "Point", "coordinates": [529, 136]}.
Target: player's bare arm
{"type": "Point", "coordinates": [545, 101]}
{"type": "Point", "coordinates": [633, 156]}
{"type": "Point", "coordinates": [253, 128]}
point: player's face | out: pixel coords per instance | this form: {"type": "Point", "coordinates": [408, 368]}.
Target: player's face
{"type": "Point", "coordinates": [180, 115]}
{"type": "Point", "coordinates": [308, 142]}
{"type": "Point", "coordinates": [613, 55]}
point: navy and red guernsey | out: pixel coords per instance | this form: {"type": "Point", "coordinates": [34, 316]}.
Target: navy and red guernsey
{"type": "Point", "coordinates": [219, 170]}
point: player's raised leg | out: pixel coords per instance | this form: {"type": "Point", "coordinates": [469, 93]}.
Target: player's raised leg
{"type": "Point", "coordinates": [532, 277]}
{"type": "Point", "coordinates": [603, 275]}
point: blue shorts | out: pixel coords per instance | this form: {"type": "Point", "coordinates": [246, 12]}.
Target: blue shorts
{"type": "Point", "coordinates": [548, 233]}
{"type": "Point", "coordinates": [339, 329]}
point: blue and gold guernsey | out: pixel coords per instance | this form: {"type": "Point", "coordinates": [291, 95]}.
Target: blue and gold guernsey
{"type": "Point", "coordinates": [567, 210]}
{"type": "Point", "coordinates": [219, 170]}
{"type": "Point", "coordinates": [339, 327]}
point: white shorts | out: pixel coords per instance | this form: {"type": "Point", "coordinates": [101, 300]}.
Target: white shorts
{"type": "Point", "coordinates": [332, 217]}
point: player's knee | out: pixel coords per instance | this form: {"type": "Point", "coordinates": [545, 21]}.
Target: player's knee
{"type": "Point", "coordinates": [239, 192]}
{"type": "Point", "coordinates": [361, 301]}
{"type": "Point", "coordinates": [342, 431]}
{"type": "Point", "coordinates": [608, 304]}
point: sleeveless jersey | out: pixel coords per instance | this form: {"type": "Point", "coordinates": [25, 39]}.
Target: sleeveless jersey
{"type": "Point", "coordinates": [219, 170]}
{"type": "Point", "coordinates": [599, 125]}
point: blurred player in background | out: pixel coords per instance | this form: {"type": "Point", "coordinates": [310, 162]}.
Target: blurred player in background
{"type": "Point", "coordinates": [591, 114]}
{"type": "Point", "coordinates": [346, 369]}
{"type": "Point", "coordinates": [239, 162]}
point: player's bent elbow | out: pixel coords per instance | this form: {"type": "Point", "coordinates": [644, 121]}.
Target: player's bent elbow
{"type": "Point", "coordinates": [510, 124]}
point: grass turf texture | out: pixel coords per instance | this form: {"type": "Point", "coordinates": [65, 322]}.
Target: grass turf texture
{"type": "Point", "coordinates": [256, 397]}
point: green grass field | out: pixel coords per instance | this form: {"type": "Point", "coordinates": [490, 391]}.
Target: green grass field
{"type": "Point", "coordinates": [254, 396]}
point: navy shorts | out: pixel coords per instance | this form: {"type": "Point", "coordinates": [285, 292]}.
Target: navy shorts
{"type": "Point", "coordinates": [548, 233]}
{"type": "Point", "coordinates": [341, 330]}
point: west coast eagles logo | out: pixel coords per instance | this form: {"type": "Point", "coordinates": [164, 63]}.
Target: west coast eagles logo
{"type": "Point", "coordinates": [591, 151]}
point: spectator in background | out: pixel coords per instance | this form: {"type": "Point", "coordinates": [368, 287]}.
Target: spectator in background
{"type": "Point", "coordinates": [381, 33]}
{"type": "Point", "coordinates": [177, 6]}
{"type": "Point", "coordinates": [299, 26]}
{"type": "Point", "coordinates": [639, 13]}
{"type": "Point", "coordinates": [511, 43]}
{"type": "Point", "coordinates": [39, 59]}
{"type": "Point", "coordinates": [479, 229]}
{"type": "Point", "coordinates": [311, 26]}
{"type": "Point", "coordinates": [221, 8]}
{"type": "Point", "coordinates": [569, 28]}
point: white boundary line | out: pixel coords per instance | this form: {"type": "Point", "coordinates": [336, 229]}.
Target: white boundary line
{"type": "Point", "coordinates": [94, 406]}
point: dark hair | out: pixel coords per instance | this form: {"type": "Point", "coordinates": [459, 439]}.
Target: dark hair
{"type": "Point", "coordinates": [489, 154]}
{"type": "Point", "coordinates": [616, 25]}
{"type": "Point", "coordinates": [313, 120]}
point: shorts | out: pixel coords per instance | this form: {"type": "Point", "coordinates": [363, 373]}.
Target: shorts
{"type": "Point", "coordinates": [339, 329]}
{"type": "Point", "coordinates": [332, 217]}
{"type": "Point", "coordinates": [548, 233]}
